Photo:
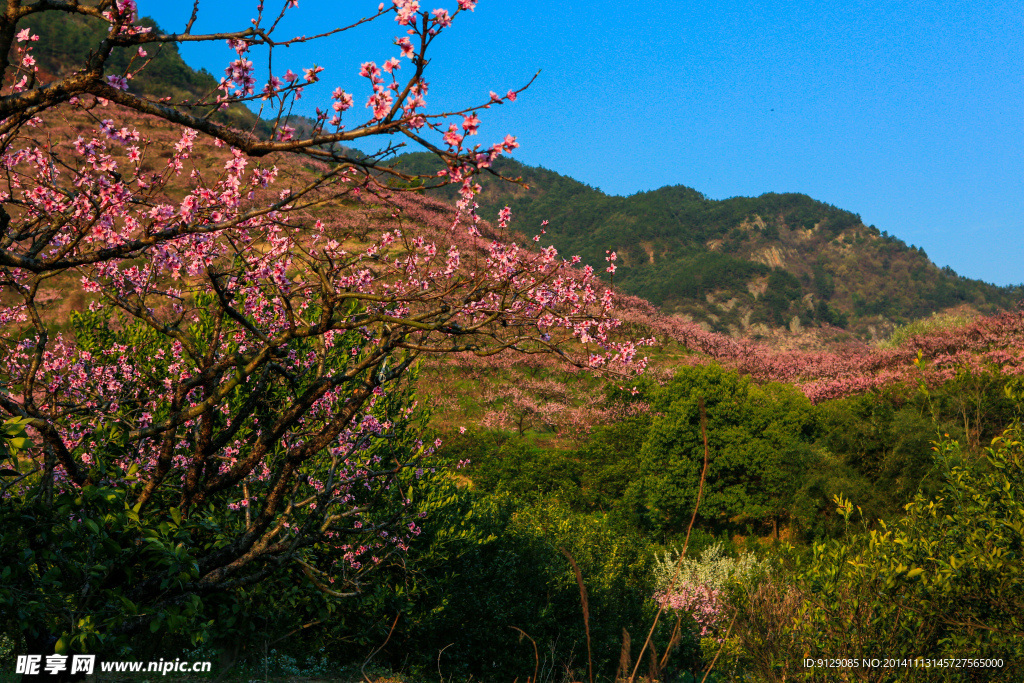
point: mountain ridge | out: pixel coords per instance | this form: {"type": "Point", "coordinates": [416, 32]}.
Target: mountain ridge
{"type": "Point", "coordinates": [743, 265]}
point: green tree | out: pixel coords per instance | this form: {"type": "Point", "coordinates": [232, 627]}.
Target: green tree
{"type": "Point", "coordinates": [758, 439]}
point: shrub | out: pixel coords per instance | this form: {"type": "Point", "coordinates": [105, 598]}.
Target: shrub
{"type": "Point", "coordinates": [944, 581]}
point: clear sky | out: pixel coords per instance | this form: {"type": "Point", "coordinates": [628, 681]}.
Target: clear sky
{"type": "Point", "coordinates": [909, 113]}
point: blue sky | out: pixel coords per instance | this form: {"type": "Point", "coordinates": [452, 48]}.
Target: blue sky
{"type": "Point", "coordinates": [908, 113]}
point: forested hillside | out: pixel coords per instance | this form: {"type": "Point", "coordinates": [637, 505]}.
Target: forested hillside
{"type": "Point", "coordinates": [65, 42]}
{"type": "Point", "coordinates": [775, 260]}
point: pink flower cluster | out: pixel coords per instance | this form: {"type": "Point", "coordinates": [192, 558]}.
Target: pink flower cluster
{"type": "Point", "coordinates": [701, 602]}
{"type": "Point", "coordinates": [244, 340]}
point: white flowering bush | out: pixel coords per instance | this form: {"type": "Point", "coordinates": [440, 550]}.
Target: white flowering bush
{"type": "Point", "coordinates": [696, 586]}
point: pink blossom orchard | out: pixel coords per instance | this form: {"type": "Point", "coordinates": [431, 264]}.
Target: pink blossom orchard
{"type": "Point", "coordinates": [514, 393]}
{"type": "Point", "coordinates": [995, 342]}
{"type": "Point", "coordinates": [245, 331]}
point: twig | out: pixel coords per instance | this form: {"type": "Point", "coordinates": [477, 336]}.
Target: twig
{"type": "Point", "coordinates": [686, 543]}
{"type": "Point", "coordinates": [320, 585]}
{"type": "Point", "coordinates": [720, 647]}
{"type": "Point", "coordinates": [673, 640]}
{"type": "Point", "coordinates": [439, 652]}
{"type": "Point", "coordinates": [294, 631]}
{"type": "Point", "coordinates": [586, 608]}
{"type": "Point", "coordinates": [536, 655]}
{"type": "Point", "coordinates": [703, 472]}
{"type": "Point", "coordinates": [362, 669]}
{"type": "Point", "coordinates": [624, 658]}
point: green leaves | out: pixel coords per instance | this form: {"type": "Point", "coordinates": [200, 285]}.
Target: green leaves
{"type": "Point", "coordinates": [89, 539]}
{"type": "Point", "coordinates": [944, 580]}
{"type": "Point", "coordinates": [757, 439]}
{"type": "Point", "coordinates": [13, 440]}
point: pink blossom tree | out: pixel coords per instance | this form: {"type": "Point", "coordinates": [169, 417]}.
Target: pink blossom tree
{"type": "Point", "coordinates": [226, 395]}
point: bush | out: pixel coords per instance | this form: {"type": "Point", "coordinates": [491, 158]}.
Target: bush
{"type": "Point", "coordinates": [944, 581]}
{"type": "Point", "coordinates": [487, 563]}
{"type": "Point", "coordinates": [758, 438]}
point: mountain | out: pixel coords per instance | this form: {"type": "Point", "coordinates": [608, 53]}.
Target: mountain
{"type": "Point", "coordinates": [65, 41]}
{"type": "Point", "coordinates": [740, 265]}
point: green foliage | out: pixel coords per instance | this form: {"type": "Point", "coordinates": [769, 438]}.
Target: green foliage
{"type": "Point", "coordinates": [78, 558]}
{"type": "Point", "coordinates": [883, 439]}
{"type": "Point", "coordinates": [513, 467]}
{"type": "Point", "coordinates": [931, 324]}
{"type": "Point", "coordinates": [692, 277]}
{"type": "Point", "coordinates": [776, 461]}
{"type": "Point", "coordinates": [944, 581]}
{"type": "Point", "coordinates": [94, 570]}
{"type": "Point", "coordinates": [825, 313]}
{"type": "Point", "coordinates": [758, 442]}
{"type": "Point", "coordinates": [826, 476]}
{"type": "Point", "coordinates": [489, 557]}
{"type": "Point", "coordinates": [590, 479]}
{"type": "Point", "coordinates": [824, 282]}
{"type": "Point", "coordinates": [877, 448]}
{"type": "Point", "coordinates": [485, 563]}
{"type": "Point", "coordinates": [777, 301]}
{"type": "Point", "coordinates": [13, 440]}
{"type": "Point", "coordinates": [610, 463]}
